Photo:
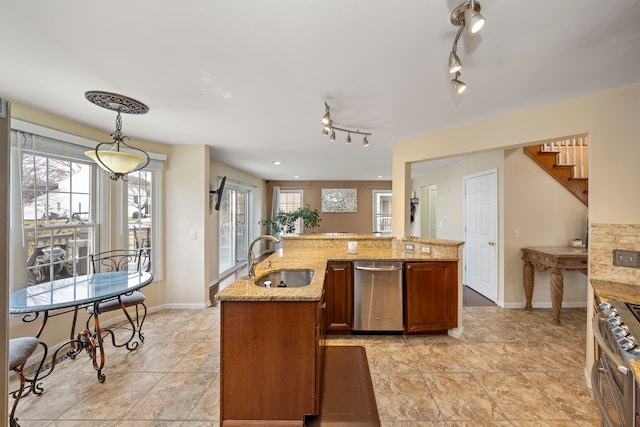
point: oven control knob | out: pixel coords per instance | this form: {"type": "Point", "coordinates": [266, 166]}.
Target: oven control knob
{"type": "Point", "coordinates": [604, 305]}
{"type": "Point", "coordinates": [614, 321]}
{"type": "Point", "coordinates": [627, 343]}
{"type": "Point", "coordinates": [620, 331]}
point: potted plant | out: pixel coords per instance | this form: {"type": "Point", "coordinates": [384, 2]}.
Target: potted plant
{"type": "Point", "coordinates": [285, 222]}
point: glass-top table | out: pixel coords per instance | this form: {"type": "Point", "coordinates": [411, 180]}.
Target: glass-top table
{"type": "Point", "coordinates": [68, 295]}
{"type": "Point", "coordinates": [76, 291]}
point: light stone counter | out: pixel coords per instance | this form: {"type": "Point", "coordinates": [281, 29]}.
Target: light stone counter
{"type": "Point", "coordinates": [609, 290]}
{"type": "Point", "coordinates": [313, 251]}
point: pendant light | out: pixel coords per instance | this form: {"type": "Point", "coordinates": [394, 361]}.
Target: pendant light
{"type": "Point", "coordinates": [117, 157]}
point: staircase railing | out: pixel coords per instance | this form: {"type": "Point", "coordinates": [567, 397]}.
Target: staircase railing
{"type": "Point", "coordinates": [571, 152]}
{"type": "Point", "coordinates": [566, 160]}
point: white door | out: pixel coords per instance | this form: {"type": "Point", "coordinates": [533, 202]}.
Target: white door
{"type": "Point", "coordinates": [481, 239]}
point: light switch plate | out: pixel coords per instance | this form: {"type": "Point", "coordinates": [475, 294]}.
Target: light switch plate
{"type": "Point", "coordinates": [624, 258]}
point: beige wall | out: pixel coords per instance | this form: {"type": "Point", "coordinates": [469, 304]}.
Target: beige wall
{"type": "Point", "coordinates": [546, 214]}
{"type": "Point", "coordinates": [186, 210]}
{"type": "Point", "coordinates": [450, 192]}
{"type": "Point", "coordinates": [359, 222]}
{"type": "Point", "coordinates": [609, 118]}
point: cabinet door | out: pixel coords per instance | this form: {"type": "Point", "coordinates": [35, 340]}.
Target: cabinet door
{"type": "Point", "coordinates": [339, 297]}
{"type": "Point", "coordinates": [431, 298]}
{"type": "Point", "coordinates": [269, 366]}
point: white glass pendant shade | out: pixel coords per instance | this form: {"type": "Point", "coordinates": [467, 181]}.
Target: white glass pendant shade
{"type": "Point", "coordinates": [117, 163]}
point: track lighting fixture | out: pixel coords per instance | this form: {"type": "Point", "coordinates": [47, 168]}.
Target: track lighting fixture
{"type": "Point", "coordinates": [330, 129]}
{"type": "Point", "coordinates": [467, 15]}
{"type": "Point", "coordinates": [110, 158]}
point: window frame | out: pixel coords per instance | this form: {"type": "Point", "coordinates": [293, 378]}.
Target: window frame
{"type": "Point", "coordinates": [50, 147]}
{"type": "Point", "coordinates": [376, 214]}
{"type": "Point", "coordinates": [299, 222]}
{"type": "Point", "coordinates": [122, 218]}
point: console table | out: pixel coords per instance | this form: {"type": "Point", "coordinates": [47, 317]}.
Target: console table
{"type": "Point", "coordinates": [556, 258]}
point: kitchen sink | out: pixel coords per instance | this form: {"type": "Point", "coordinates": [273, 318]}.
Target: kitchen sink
{"type": "Point", "coordinates": [293, 278]}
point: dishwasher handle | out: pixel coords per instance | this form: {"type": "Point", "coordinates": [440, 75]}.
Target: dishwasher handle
{"type": "Point", "coordinates": [358, 267]}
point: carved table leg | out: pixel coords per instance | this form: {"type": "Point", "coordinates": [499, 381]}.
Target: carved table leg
{"type": "Point", "coordinates": [556, 293]}
{"type": "Point", "coordinates": [528, 284]}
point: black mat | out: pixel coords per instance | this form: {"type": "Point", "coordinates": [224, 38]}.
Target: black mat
{"type": "Point", "coordinates": [347, 398]}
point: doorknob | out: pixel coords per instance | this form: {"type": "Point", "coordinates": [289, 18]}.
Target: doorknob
{"type": "Point", "coordinates": [492, 243]}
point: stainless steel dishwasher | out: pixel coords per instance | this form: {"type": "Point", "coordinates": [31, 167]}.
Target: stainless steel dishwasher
{"type": "Point", "coordinates": [377, 298]}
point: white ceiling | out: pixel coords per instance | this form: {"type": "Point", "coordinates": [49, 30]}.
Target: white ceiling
{"type": "Point", "coordinates": [249, 78]}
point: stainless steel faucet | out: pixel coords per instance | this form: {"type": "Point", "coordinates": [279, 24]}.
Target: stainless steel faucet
{"type": "Point", "coordinates": [251, 260]}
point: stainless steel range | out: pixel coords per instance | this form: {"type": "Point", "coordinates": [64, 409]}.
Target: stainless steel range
{"type": "Point", "coordinates": [617, 331]}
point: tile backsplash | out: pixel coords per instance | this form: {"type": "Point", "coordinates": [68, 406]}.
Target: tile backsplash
{"type": "Point", "coordinates": [603, 239]}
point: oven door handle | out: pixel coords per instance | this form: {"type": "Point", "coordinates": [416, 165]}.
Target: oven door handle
{"type": "Point", "coordinates": [596, 387]}
{"type": "Point", "coordinates": [620, 365]}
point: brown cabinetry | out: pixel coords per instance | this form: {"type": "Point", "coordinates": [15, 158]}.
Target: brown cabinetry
{"type": "Point", "coordinates": [431, 296]}
{"type": "Point", "coordinates": [338, 285]}
{"type": "Point", "coordinates": [270, 362]}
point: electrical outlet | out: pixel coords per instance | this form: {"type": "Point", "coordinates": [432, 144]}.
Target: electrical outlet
{"type": "Point", "coordinates": [623, 258]}
{"type": "Point", "coordinates": [426, 249]}
{"type": "Point", "coordinates": [408, 247]}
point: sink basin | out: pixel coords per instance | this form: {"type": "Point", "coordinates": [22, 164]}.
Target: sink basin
{"type": "Point", "coordinates": [286, 278]}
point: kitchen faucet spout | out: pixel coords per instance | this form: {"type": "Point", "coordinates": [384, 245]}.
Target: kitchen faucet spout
{"type": "Point", "coordinates": [251, 259]}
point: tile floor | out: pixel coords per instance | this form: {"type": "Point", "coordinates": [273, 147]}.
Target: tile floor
{"type": "Point", "coordinates": [510, 368]}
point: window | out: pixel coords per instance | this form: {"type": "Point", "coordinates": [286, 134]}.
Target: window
{"type": "Point", "coordinates": [291, 200]}
{"type": "Point", "coordinates": [140, 218]}
{"type": "Point", "coordinates": [52, 200]}
{"type": "Point", "coordinates": [233, 238]}
{"type": "Point", "coordinates": [382, 211]}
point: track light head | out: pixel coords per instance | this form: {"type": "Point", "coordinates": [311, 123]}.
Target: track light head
{"type": "Point", "coordinates": [349, 138]}
{"type": "Point", "coordinates": [326, 119]}
{"type": "Point", "coordinates": [468, 15]}
{"type": "Point", "coordinates": [455, 64]}
{"type": "Point", "coordinates": [365, 143]}
{"type": "Point", "coordinates": [325, 131]}
{"type": "Point", "coordinates": [333, 135]}
{"type": "Point", "coordinates": [458, 85]}
{"type": "Point", "coordinates": [473, 20]}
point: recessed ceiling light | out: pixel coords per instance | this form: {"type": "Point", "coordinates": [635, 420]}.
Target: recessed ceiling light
{"type": "Point", "coordinates": [277, 162]}
{"type": "Point", "coordinates": [296, 176]}
{"type": "Point", "coordinates": [379, 176]}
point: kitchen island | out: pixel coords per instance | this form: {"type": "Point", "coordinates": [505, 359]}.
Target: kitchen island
{"type": "Point", "coordinates": [271, 338]}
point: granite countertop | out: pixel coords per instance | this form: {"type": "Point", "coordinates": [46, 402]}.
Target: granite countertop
{"type": "Point", "coordinates": [608, 290]}
{"type": "Point", "coordinates": [316, 259]}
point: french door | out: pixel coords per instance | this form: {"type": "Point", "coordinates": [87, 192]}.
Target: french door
{"type": "Point", "coordinates": [233, 240]}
